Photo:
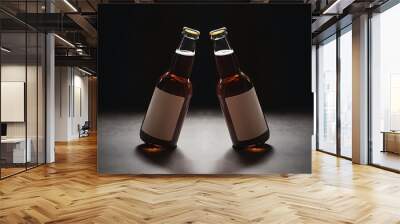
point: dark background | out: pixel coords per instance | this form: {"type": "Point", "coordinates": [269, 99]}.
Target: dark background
{"type": "Point", "coordinates": [273, 46]}
{"type": "Point", "coordinates": [137, 42]}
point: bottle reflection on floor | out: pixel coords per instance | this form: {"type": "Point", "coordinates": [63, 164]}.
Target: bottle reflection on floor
{"type": "Point", "coordinates": [255, 149]}
{"type": "Point", "coordinates": [249, 155]}
{"type": "Point", "coordinates": [252, 154]}
{"type": "Point", "coordinates": [154, 149]}
{"type": "Point", "coordinates": [156, 154]}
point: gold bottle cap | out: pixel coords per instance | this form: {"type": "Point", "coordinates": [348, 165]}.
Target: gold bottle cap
{"type": "Point", "coordinates": [191, 32]}
{"type": "Point", "coordinates": [218, 32]}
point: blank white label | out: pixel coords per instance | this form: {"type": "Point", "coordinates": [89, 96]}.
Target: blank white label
{"type": "Point", "coordinates": [162, 115]}
{"type": "Point", "coordinates": [246, 115]}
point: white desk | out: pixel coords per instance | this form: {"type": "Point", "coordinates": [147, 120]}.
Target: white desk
{"type": "Point", "coordinates": [18, 151]}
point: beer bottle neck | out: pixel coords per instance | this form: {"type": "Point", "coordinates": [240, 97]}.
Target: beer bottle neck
{"type": "Point", "coordinates": [225, 58]}
{"type": "Point", "coordinates": [183, 59]}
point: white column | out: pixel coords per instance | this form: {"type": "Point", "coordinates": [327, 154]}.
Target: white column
{"type": "Point", "coordinates": [360, 90]}
{"type": "Point", "coordinates": [50, 99]}
{"type": "Point", "coordinates": [50, 92]}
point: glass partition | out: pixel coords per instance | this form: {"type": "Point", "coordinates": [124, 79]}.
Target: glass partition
{"type": "Point", "coordinates": [41, 97]}
{"type": "Point", "coordinates": [32, 83]}
{"type": "Point", "coordinates": [14, 153]}
{"type": "Point", "coordinates": [327, 95]}
{"type": "Point", "coordinates": [31, 99]}
{"type": "Point", "coordinates": [22, 78]}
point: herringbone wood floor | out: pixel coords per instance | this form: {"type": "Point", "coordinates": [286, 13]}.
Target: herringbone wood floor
{"type": "Point", "coordinates": [70, 191]}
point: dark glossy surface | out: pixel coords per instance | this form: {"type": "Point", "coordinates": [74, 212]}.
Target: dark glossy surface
{"type": "Point", "coordinates": [204, 147]}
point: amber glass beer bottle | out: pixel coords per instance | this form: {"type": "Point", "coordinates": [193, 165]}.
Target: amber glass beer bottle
{"type": "Point", "coordinates": [168, 106]}
{"type": "Point", "coordinates": [237, 96]}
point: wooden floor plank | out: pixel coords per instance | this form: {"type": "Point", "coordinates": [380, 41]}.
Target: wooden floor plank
{"type": "Point", "coordinates": [71, 191]}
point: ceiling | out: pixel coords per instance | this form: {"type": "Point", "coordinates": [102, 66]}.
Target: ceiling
{"type": "Point", "coordinates": [76, 21]}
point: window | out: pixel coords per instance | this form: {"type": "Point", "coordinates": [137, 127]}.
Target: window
{"type": "Point", "coordinates": [327, 95]}
{"type": "Point", "coordinates": [346, 92]}
{"type": "Point", "coordinates": [385, 88]}
{"type": "Point", "coordinates": [334, 106]}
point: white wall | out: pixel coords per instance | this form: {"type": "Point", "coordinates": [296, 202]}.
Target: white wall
{"type": "Point", "coordinates": [17, 72]}
{"type": "Point", "coordinates": [71, 102]}
{"type": "Point", "coordinates": [79, 117]}
{"type": "Point", "coordinates": [14, 72]}
{"type": "Point", "coordinates": [62, 81]}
